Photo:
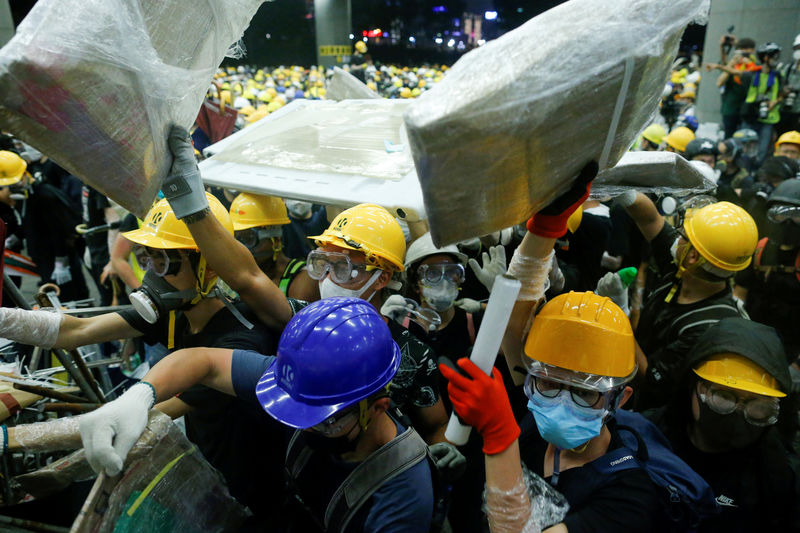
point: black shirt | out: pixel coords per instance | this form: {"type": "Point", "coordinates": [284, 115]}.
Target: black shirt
{"type": "Point", "coordinates": [773, 296]}
{"type": "Point", "coordinates": [580, 258]}
{"type": "Point", "coordinates": [233, 435]}
{"type": "Point", "coordinates": [93, 206]}
{"type": "Point", "coordinates": [627, 501]}
{"type": "Point", "coordinates": [668, 330]}
{"type": "Point", "coordinates": [756, 487]}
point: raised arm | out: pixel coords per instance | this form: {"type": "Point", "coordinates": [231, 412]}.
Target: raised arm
{"type": "Point", "coordinates": [232, 261]}
{"type": "Point", "coordinates": [643, 212]}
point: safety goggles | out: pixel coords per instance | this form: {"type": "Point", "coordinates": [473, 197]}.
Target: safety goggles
{"type": "Point", "coordinates": [339, 265]}
{"type": "Point", "coordinates": [252, 237]}
{"type": "Point", "coordinates": [436, 272]}
{"type": "Point", "coordinates": [159, 262]}
{"type": "Point", "coordinates": [550, 389]}
{"type": "Point", "coordinates": [757, 411]}
{"type": "Point", "coordinates": [784, 213]}
{"type": "Point", "coordinates": [427, 318]}
{"type": "Point", "coordinates": [338, 422]}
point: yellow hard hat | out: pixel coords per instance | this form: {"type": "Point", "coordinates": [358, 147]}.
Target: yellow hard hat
{"type": "Point", "coordinates": [586, 333]}
{"type": "Point", "coordinates": [258, 114]}
{"type": "Point", "coordinates": [574, 220]}
{"type": "Point", "coordinates": [655, 133]}
{"type": "Point", "coordinates": [249, 94]}
{"type": "Point", "coordinates": [274, 106]}
{"type": "Point", "coordinates": [790, 137]}
{"type": "Point", "coordinates": [679, 138]}
{"type": "Point", "coordinates": [225, 86]}
{"type": "Point", "coordinates": [415, 92]}
{"type": "Point", "coordinates": [253, 210]}
{"type": "Point", "coordinates": [723, 233]}
{"type": "Point", "coordinates": [12, 168]}
{"type": "Point", "coordinates": [361, 47]}
{"type": "Point", "coordinates": [421, 84]}
{"type": "Point", "coordinates": [370, 229]}
{"type": "Point", "coordinates": [161, 229]}
{"type": "Point", "coordinates": [687, 93]}
{"type": "Point", "coordinates": [247, 110]}
{"type": "Point", "coordinates": [371, 85]}
{"type": "Point", "coordinates": [738, 372]}
{"type": "Point", "coordinates": [405, 92]}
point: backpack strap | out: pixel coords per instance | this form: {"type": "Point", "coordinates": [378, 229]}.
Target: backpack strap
{"type": "Point", "coordinates": [297, 456]}
{"type": "Point", "coordinates": [289, 273]}
{"type": "Point", "coordinates": [471, 328]}
{"type": "Point", "coordinates": [392, 459]}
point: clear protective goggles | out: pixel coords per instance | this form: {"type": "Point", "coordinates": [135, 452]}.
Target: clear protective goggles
{"type": "Point", "coordinates": [252, 237]}
{"type": "Point", "coordinates": [434, 273]}
{"type": "Point", "coordinates": [581, 380]}
{"type": "Point", "coordinates": [338, 422]}
{"type": "Point", "coordinates": [158, 261]}
{"type": "Point", "coordinates": [427, 318]}
{"type": "Point", "coordinates": [341, 268]}
{"type": "Point", "coordinates": [586, 398]}
{"type": "Point", "coordinates": [784, 213]}
{"type": "Point", "coordinates": [757, 411]}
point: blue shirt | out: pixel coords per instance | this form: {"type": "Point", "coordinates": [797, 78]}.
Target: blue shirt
{"type": "Point", "coordinates": [404, 504]}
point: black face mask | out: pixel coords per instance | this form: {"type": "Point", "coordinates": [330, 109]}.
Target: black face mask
{"type": "Point", "coordinates": [784, 233]}
{"type": "Point", "coordinates": [334, 445]}
{"type": "Point", "coordinates": [157, 297]}
{"type": "Point", "coordinates": [725, 432]}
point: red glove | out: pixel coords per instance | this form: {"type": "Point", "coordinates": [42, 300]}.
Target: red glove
{"type": "Point", "coordinates": [482, 403]}
{"type": "Point", "coordinates": [551, 221]}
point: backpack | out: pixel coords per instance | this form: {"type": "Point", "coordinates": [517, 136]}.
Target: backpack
{"type": "Point", "coordinates": [687, 497]}
{"type": "Point", "coordinates": [403, 452]}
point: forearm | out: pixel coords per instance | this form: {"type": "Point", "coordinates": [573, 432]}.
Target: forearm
{"type": "Point", "coordinates": [234, 264]}
{"type": "Point", "coordinates": [508, 505]}
{"type": "Point", "coordinates": [431, 422]}
{"type": "Point", "coordinates": [641, 361]}
{"type": "Point", "coordinates": [182, 369]}
{"type": "Point", "coordinates": [123, 269]}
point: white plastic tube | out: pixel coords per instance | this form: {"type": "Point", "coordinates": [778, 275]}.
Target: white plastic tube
{"type": "Point", "coordinates": [487, 343]}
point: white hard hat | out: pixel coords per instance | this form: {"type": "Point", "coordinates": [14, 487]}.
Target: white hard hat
{"type": "Point", "coordinates": [424, 247]}
{"type": "Point", "coordinates": [796, 41]}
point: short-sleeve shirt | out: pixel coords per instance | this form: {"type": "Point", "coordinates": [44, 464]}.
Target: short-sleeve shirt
{"type": "Point", "coordinates": [404, 504]}
{"type": "Point", "coordinates": [628, 501]}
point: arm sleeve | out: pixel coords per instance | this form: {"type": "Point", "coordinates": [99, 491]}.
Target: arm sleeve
{"type": "Point", "coordinates": [247, 367]}
{"type": "Point", "coordinates": [630, 503]}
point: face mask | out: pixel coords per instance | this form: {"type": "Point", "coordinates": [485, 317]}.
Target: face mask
{"type": "Point", "coordinates": [673, 250]}
{"type": "Point", "coordinates": [298, 208]}
{"type": "Point", "coordinates": [564, 424]}
{"type": "Point", "coordinates": [332, 445]}
{"type": "Point", "coordinates": [328, 289]}
{"type": "Point", "coordinates": [796, 55]}
{"type": "Point", "coordinates": [440, 296]}
{"type": "Point", "coordinates": [725, 432]}
{"type": "Point", "coordinates": [157, 297]}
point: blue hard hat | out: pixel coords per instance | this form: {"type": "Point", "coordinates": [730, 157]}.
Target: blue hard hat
{"type": "Point", "coordinates": [332, 354]}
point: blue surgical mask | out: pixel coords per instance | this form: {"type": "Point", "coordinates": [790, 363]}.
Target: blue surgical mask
{"type": "Point", "coordinates": [564, 424]}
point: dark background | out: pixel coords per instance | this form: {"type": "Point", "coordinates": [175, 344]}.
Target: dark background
{"type": "Point", "coordinates": [282, 31]}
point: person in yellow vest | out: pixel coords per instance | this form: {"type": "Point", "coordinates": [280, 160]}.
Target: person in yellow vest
{"type": "Point", "coordinates": [763, 101]}
{"type": "Point", "coordinates": [258, 224]}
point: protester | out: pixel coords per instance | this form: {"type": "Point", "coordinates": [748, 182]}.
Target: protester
{"type": "Point", "coordinates": [788, 145]}
{"type": "Point", "coordinates": [721, 421]}
{"type": "Point", "coordinates": [678, 139]}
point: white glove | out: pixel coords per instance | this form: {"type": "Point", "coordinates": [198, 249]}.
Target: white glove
{"type": "Point", "coordinates": [469, 305]}
{"type": "Point", "coordinates": [611, 285]}
{"type": "Point", "coordinates": [109, 433]}
{"type": "Point", "coordinates": [396, 307]}
{"type": "Point", "coordinates": [626, 199]}
{"type": "Point", "coordinates": [61, 273]}
{"type": "Point", "coordinates": [12, 241]}
{"type": "Point", "coordinates": [504, 236]}
{"type": "Point", "coordinates": [611, 262]}
{"type": "Point", "coordinates": [492, 267]}
{"type": "Point", "coordinates": [556, 277]}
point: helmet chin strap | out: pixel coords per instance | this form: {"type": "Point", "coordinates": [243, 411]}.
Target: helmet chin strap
{"type": "Point", "coordinates": [682, 270]}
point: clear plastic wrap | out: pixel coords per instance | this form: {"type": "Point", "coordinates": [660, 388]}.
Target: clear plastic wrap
{"type": "Point", "coordinates": [37, 328]}
{"type": "Point", "coordinates": [652, 172]}
{"type": "Point", "coordinates": [95, 84]}
{"type": "Point", "coordinates": [515, 120]}
{"type": "Point", "coordinates": [59, 434]}
{"type": "Point", "coordinates": [345, 86]}
{"type": "Point", "coordinates": [532, 273]}
{"type": "Point", "coordinates": [171, 487]}
{"type": "Point", "coordinates": [530, 507]}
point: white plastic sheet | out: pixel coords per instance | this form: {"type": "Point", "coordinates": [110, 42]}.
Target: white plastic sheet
{"type": "Point", "coordinates": [514, 121]}
{"type": "Point", "coordinates": [95, 84]}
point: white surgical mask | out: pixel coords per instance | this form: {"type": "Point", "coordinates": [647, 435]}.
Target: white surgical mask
{"type": "Point", "coordinates": [673, 250]}
{"type": "Point", "coordinates": [796, 55]}
{"type": "Point", "coordinates": [328, 289]}
{"type": "Point", "coordinates": [441, 295]}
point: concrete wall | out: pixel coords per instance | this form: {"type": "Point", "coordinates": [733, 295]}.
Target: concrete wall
{"type": "Point", "coordinates": [332, 26]}
{"type": "Point", "coordinates": [761, 20]}
{"type": "Point", "coordinates": [6, 23]}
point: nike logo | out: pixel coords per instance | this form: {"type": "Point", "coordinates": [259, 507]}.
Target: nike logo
{"type": "Point", "coordinates": [725, 501]}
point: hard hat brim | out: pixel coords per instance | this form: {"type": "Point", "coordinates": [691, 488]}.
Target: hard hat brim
{"type": "Point", "coordinates": [145, 237]}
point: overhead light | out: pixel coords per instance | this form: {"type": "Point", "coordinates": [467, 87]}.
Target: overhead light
{"type": "Point", "coordinates": [352, 36]}
{"type": "Point", "coordinates": [451, 43]}
{"type": "Point", "coordinates": [438, 40]}
{"type": "Point", "coordinates": [481, 42]}
{"type": "Point", "coordinates": [412, 39]}
{"type": "Point", "coordinates": [490, 15]}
